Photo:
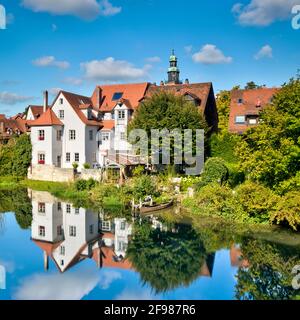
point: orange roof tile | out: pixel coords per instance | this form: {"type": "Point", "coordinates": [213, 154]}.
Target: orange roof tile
{"type": "Point", "coordinates": [252, 102]}
{"type": "Point", "coordinates": [132, 95]}
{"type": "Point", "coordinates": [199, 91]}
{"type": "Point", "coordinates": [76, 101]}
{"type": "Point", "coordinates": [108, 124]}
{"type": "Point", "coordinates": [37, 111]}
{"type": "Point", "coordinates": [48, 118]}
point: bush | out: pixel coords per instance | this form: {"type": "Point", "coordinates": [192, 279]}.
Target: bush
{"type": "Point", "coordinates": [83, 185]}
{"type": "Point", "coordinates": [215, 171]}
{"type": "Point", "coordinates": [292, 184]}
{"type": "Point", "coordinates": [287, 211]}
{"type": "Point", "coordinates": [86, 166]}
{"type": "Point", "coordinates": [138, 171]}
{"type": "Point", "coordinates": [15, 156]}
{"type": "Point", "coordinates": [143, 186]}
{"type": "Point", "coordinates": [256, 201]}
{"type": "Point", "coordinates": [75, 165]}
{"type": "Point", "coordinates": [223, 146]}
{"type": "Point", "coordinates": [215, 200]}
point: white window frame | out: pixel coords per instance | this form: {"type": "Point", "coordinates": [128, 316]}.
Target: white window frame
{"type": "Point", "coordinates": [72, 135]}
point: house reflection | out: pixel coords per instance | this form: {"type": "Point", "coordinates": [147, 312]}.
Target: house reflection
{"type": "Point", "coordinates": [68, 235]}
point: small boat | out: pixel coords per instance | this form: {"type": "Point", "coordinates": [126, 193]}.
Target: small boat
{"type": "Point", "coordinates": [147, 209]}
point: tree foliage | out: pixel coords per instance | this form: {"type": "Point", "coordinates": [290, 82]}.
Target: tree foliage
{"type": "Point", "coordinates": [15, 156]}
{"type": "Point", "coordinates": [270, 153]}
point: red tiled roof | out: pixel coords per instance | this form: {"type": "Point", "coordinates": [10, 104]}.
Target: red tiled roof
{"type": "Point", "coordinates": [108, 259]}
{"type": "Point", "coordinates": [199, 91]}
{"type": "Point", "coordinates": [253, 101]}
{"type": "Point", "coordinates": [13, 124]}
{"type": "Point", "coordinates": [48, 118]}
{"type": "Point", "coordinates": [108, 124]}
{"type": "Point", "coordinates": [37, 111]}
{"type": "Point", "coordinates": [132, 95]}
{"type": "Point", "coordinates": [76, 101]}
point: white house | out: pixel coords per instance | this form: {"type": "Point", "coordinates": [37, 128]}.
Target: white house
{"type": "Point", "coordinates": [93, 129]}
{"type": "Point", "coordinates": [66, 132]}
{"type": "Point", "coordinates": [66, 234]}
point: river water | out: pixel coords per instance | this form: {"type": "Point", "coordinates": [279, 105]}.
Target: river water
{"type": "Point", "coordinates": [50, 249]}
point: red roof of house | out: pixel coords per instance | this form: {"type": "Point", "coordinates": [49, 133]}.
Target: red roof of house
{"type": "Point", "coordinates": [131, 95]}
{"type": "Point", "coordinates": [108, 259]}
{"type": "Point", "coordinates": [37, 111]}
{"type": "Point", "coordinates": [108, 124]}
{"type": "Point", "coordinates": [198, 91]}
{"type": "Point", "coordinates": [248, 103]}
{"type": "Point", "coordinates": [13, 124]}
{"type": "Point", "coordinates": [79, 102]}
{"type": "Point", "coordinates": [48, 118]}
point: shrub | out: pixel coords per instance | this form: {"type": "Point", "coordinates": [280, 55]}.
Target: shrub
{"type": "Point", "coordinates": [292, 184]}
{"type": "Point", "coordinates": [215, 171]}
{"type": "Point", "coordinates": [143, 186]}
{"type": "Point", "coordinates": [223, 146]}
{"type": "Point", "coordinates": [256, 201]}
{"type": "Point", "coordinates": [138, 171]}
{"type": "Point", "coordinates": [75, 165]}
{"type": "Point", "coordinates": [287, 211]}
{"type": "Point", "coordinates": [82, 185]}
{"type": "Point", "coordinates": [215, 200]}
{"type": "Point", "coordinates": [86, 166]}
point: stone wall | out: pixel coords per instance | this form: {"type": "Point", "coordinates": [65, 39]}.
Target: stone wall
{"type": "Point", "coordinates": [50, 173]}
{"type": "Point", "coordinates": [87, 174]}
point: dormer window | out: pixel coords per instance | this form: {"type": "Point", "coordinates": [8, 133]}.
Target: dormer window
{"type": "Point", "coordinates": [117, 96]}
{"type": "Point", "coordinates": [240, 101]}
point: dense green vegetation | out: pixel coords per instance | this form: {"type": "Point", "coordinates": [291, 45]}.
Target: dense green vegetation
{"type": "Point", "coordinates": [263, 184]}
{"type": "Point", "coordinates": [15, 156]}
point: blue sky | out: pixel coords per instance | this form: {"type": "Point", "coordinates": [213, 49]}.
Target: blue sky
{"type": "Point", "coordinates": [74, 45]}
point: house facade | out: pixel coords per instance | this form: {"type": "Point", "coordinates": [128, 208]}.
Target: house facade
{"type": "Point", "coordinates": [246, 106]}
{"type": "Point", "coordinates": [93, 130]}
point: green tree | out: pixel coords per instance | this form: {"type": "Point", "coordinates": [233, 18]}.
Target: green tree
{"type": "Point", "coordinates": [167, 111]}
{"type": "Point", "coordinates": [270, 153]}
{"type": "Point", "coordinates": [15, 156]}
{"type": "Point", "coordinates": [223, 107]}
{"type": "Point", "coordinates": [252, 85]}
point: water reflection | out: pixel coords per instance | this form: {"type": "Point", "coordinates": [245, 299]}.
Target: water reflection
{"type": "Point", "coordinates": [170, 260]}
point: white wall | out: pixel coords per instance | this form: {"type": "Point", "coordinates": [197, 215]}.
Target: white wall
{"type": "Point", "coordinates": [43, 146]}
{"type": "Point", "coordinates": [71, 121]}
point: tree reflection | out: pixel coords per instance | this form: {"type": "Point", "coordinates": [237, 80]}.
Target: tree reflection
{"type": "Point", "coordinates": [268, 276]}
{"type": "Point", "coordinates": [167, 257]}
{"type": "Point", "coordinates": [17, 201]}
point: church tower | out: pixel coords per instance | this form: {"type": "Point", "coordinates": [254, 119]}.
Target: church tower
{"type": "Point", "coordinates": [173, 71]}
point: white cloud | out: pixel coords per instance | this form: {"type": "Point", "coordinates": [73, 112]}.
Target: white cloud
{"type": "Point", "coordinates": [263, 12]}
{"type": "Point", "coordinates": [50, 61]}
{"type": "Point", "coordinates": [265, 52]}
{"type": "Point", "coordinates": [84, 9]}
{"type": "Point", "coordinates": [107, 9]}
{"type": "Point", "coordinates": [113, 70]}
{"type": "Point", "coordinates": [188, 49]}
{"type": "Point", "coordinates": [67, 286]}
{"type": "Point", "coordinates": [54, 91]}
{"type": "Point", "coordinates": [12, 98]}
{"type": "Point", "coordinates": [107, 278]}
{"type": "Point", "coordinates": [210, 54]}
{"type": "Point", "coordinates": [153, 59]}
{"type": "Point", "coordinates": [73, 81]}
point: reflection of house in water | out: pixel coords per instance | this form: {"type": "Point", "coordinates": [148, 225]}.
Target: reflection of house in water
{"type": "Point", "coordinates": [66, 234]}
{"type": "Point", "coordinates": [116, 235]}
{"type": "Point", "coordinates": [236, 257]}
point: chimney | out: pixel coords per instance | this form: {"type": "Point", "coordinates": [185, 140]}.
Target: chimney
{"type": "Point", "coordinates": [2, 126]}
{"type": "Point", "coordinates": [187, 81]}
{"type": "Point", "coordinates": [46, 261]}
{"type": "Point", "coordinates": [98, 97]}
{"type": "Point", "coordinates": [45, 101]}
